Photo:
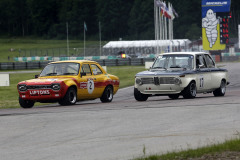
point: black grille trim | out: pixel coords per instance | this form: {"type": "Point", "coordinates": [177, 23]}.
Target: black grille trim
{"type": "Point", "coordinates": [37, 87]}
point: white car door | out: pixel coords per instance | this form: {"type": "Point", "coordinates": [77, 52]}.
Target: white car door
{"type": "Point", "coordinates": [203, 74]}
{"type": "Point", "coordinates": [215, 79]}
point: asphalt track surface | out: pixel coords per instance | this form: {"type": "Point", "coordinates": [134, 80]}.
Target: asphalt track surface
{"type": "Point", "coordinates": [92, 130]}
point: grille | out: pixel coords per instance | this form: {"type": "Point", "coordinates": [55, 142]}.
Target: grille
{"type": "Point", "coordinates": [158, 80]}
{"type": "Point", "coordinates": [39, 87]}
{"type": "Point", "coordinates": [147, 81]}
{"type": "Point", "coordinates": [167, 80]}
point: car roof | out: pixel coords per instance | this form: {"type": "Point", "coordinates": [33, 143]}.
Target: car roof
{"type": "Point", "coordinates": [192, 53]}
{"type": "Point", "coordinates": [75, 61]}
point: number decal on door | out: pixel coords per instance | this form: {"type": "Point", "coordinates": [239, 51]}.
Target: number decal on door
{"type": "Point", "coordinates": [201, 82]}
{"type": "Point", "coordinates": [90, 86]}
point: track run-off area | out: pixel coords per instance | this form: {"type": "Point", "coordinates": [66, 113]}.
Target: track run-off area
{"type": "Point", "coordinates": [123, 129]}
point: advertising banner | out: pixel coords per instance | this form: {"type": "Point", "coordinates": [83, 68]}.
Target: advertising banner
{"type": "Point", "coordinates": [215, 24]}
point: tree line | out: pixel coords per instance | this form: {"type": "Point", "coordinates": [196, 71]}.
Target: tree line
{"type": "Point", "coordinates": [126, 19]}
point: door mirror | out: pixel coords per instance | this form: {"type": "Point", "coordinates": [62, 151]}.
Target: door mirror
{"type": "Point", "coordinates": [83, 74]}
{"type": "Point", "coordinates": [201, 66]}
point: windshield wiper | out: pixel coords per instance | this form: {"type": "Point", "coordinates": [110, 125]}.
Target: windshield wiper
{"type": "Point", "coordinates": [159, 68]}
{"type": "Point", "coordinates": [175, 66]}
{"type": "Point", "coordinates": [50, 74]}
{"type": "Point", "coordinates": [69, 73]}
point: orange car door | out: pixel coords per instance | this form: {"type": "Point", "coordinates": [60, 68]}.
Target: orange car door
{"type": "Point", "coordinates": [84, 91]}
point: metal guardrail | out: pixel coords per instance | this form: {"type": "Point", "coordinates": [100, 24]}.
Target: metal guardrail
{"type": "Point", "coordinates": [42, 64]}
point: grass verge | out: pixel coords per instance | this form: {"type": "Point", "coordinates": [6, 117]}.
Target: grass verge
{"type": "Point", "coordinates": [201, 153]}
{"type": "Point", "coordinates": [10, 48]}
{"type": "Point", "coordinates": [9, 95]}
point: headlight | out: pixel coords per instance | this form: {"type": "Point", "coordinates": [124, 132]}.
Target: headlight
{"type": "Point", "coordinates": [138, 81]}
{"type": "Point", "coordinates": [56, 87]}
{"type": "Point", "coordinates": [22, 87]}
{"type": "Point", "coordinates": [177, 81]}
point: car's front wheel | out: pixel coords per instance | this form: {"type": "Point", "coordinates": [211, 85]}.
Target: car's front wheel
{"type": "Point", "coordinates": [221, 90]}
{"type": "Point", "coordinates": [26, 103]}
{"type": "Point", "coordinates": [107, 95]}
{"type": "Point", "coordinates": [190, 91]}
{"type": "Point", "coordinates": [70, 97]}
{"type": "Point", "coordinates": [139, 96]}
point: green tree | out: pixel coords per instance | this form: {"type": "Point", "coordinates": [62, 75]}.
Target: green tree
{"type": "Point", "coordinates": [14, 17]}
{"type": "Point", "coordinates": [141, 20]}
{"type": "Point", "coordinates": [194, 32]}
{"type": "Point", "coordinates": [75, 13]}
{"type": "Point", "coordinates": [43, 15]}
{"type": "Point", "coordinates": [113, 16]}
{"type": "Point", "coordinates": [127, 19]}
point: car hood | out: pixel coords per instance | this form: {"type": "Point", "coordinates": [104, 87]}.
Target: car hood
{"type": "Point", "coordinates": [165, 72]}
{"type": "Point", "coordinates": [45, 80]}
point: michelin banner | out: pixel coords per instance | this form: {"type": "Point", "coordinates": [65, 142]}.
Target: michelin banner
{"type": "Point", "coordinates": [212, 16]}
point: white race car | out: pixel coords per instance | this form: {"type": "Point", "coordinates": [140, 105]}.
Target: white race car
{"type": "Point", "coordinates": [181, 73]}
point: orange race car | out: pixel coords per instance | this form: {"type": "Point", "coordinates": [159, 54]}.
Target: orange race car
{"type": "Point", "coordinates": [67, 82]}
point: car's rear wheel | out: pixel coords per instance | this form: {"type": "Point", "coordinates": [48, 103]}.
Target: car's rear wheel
{"type": "Point", "coordinates": [221, 90]}
{"type": "Point", "coordinates": [173, 96]}
{"type": "Point", "coordinates": [70, 97]}
{"type": "Point", "coordinates": [26, 103]}
{"type": "Point", "coordinates": [139, 96]}
{"type": "Point", "coordinates": [190, 91]}
{"type": "Point", "coordinates": [107, 95]}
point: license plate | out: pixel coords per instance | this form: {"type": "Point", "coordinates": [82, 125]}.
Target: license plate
{"type": "Point", "coordinates": [40, 92]}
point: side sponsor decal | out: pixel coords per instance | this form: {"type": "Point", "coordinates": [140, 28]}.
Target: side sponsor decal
{"type": "Point", "coordinates": [89, 85]}
{"type": "Point", "coordinates": [83, 85]}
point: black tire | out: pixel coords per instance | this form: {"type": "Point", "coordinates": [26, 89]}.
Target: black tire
{"type": "Point", "coordinates": [26, 103]}
{"type": "Point", "coordinates": [107, 95]}
{"type": "Point", "coordinates": [221, 90]}
{"type": "Point", "coordinates": [190, 91]}
{"type": "Point", "coordinates": [173, 96]}
{"type": "Point", "coordinates": [139, 96]}
{"type": "Point", "coordinates": [70, 97]}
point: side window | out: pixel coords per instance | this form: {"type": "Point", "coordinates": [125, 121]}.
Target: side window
{"type": "Point", "coordinates": [200, 61]}
{"type": "Point", "coordinates": [210, 62]}
{"type": "Point", "coordinates": [170, 62]}
{"type": "Point", "coordinates": [86, 69]}
{"type": "Point", "coordinates": [95, 69]}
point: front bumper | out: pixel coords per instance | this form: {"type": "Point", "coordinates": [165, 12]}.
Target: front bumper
{"type": "Point", "coordinates": [163, 89]}
{"type": "Point", "coordinates": [42, 95]}
{"type": "Point", "coordinates": [159, 85]}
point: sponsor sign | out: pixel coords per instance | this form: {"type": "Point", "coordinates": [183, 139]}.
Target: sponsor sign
{"type": "Point", "coordinates": [4, 80]}
{"type": "Point", "coordinates": [215, 24]}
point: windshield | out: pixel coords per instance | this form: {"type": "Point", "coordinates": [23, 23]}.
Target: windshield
{"type": "Point", "coordinates": [173, 61]}
{"type": "Point", "coordinates": [56, 69]}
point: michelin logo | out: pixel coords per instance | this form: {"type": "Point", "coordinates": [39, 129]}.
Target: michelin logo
{"type": "Point", "coordinates": [216, 3]}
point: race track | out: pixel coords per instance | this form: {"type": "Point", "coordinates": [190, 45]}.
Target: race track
{"type": "Point", "coordinates": [92, 130]}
